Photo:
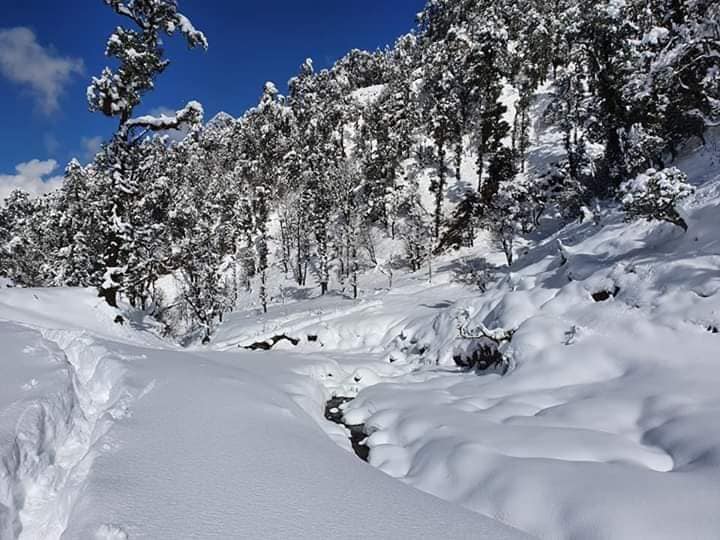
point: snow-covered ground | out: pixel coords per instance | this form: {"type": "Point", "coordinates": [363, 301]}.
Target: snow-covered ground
{"type": "Point", "coordinates": [603, 423]}
{"type": "Point", "coordinates": [109, 436]}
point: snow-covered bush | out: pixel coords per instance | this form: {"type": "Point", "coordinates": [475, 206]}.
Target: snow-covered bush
{"type": "Point", "coordinates": [654, 195]}
{"type": "Point", "coordinates": [640, 148]}
{"type": "Point", "coordinates": [508, 215]}
{"type": "Point", "coordinates": [557, 187]}
{"type": "Point", "coordinates": [475, 273]}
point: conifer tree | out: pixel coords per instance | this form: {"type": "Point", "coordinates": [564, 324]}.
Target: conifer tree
{"type": "Point", "coordinates": [116, 93]}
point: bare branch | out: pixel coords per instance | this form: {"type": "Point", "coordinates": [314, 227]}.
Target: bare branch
{"type": "Point", "coordinates": [497, 335]}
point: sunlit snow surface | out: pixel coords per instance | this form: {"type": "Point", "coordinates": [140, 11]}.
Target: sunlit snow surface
{"type": "Point", "coordinates": [103, 437]}
{"type": "Point", "coordinates": [607, 425]}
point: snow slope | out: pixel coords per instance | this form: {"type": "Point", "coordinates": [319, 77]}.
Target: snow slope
{"type": "Point", "coordinates": [103, 437]}
{"type": "Point", "coordinates": [606, 425]}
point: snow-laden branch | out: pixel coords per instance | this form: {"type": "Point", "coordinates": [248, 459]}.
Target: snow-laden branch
{"type": "Point", "coordinates": [193, 36]}
{"type": "Point", "coordinates": [121, 9]}
{"type": "Point", "coordinates": [498, 335]}
{"type": "Point", "coordinates": [168, 16]}
{"type": "Point", "coordinates": [191, 114]}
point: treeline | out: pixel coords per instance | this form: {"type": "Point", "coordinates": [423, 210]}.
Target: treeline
{"type": "Point", "coordinates": [308, 182]}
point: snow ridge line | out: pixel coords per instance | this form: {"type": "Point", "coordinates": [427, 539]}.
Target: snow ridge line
{"type": "Point", "coordinates": [56, 438]}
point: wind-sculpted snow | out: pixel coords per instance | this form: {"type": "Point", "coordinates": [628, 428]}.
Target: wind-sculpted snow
{"type": "Point", "coordinates": [120, 441]}
{"type": "Point", "coordinates": [52, 424]}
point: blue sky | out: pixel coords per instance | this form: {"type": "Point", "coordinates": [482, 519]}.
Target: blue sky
{"type": "Point", "coordinates": [50, 49]}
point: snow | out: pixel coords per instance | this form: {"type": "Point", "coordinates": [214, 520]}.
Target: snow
{"type": "Point", "coordinates": [617, 395]}
{"type": "Point", "coordinates": [668, 183]}
{"type": "Point", "coordinates": [606, 424]}
{"type": "Point", "coordinates": [369, 95]}
{"type": "Point", "coordinates": [192, 113]}
{"type": "Point", "coordinates": [123, 438]}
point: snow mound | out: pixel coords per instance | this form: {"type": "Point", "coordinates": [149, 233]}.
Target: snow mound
{"type": "Point", "coordinates": [606, 425]}
{"type": "Point", "coordinates": [110, 439]}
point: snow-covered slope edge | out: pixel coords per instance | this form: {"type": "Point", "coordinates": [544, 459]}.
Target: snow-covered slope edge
{"type": "Point", "coordinates": [51, 445]}
{"type": "Point", "coordinates": [606, 426]}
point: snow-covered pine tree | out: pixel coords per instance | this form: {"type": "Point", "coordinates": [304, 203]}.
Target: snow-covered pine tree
{"type": "Point", "coordinates": [505, 201]}
{"type": "Point", "coordinates": [20, 255]}
{"type": "Point", "coordinates": [116, 93]}
{"type": "Point", "coordinates": [265, 144]}
{"type": "Point", "coordinates": [76, 261]}
{"type": "Point", "coordinates": [674, 90]}
{"type": "Point", "coordinates": [441, 117]}
{"type": "Point", "coordinates": [386, 135]}
{"type": "Point", "coordinates": [655, 195]}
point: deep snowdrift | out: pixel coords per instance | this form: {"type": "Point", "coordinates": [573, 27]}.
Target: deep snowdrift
{"type": "Point", "coordinates": [606, 425]}
{"type": "Point", "coordinates": [102, 438]}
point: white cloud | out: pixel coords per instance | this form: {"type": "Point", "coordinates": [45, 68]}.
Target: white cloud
{"type": "Point", "coordinates": [24, 61]}
{"type": "Point", "coordinates": [90, 147]}
{"type": "Point", "coordinates": [33, 177]}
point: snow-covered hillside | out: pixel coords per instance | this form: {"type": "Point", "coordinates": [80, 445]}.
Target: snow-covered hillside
{"type": "Point", "coordinates": [464, 287]}
{"type": "Point", "coordinates": [109, 437]}
{"type": "Point", "coordinates": [604, 426]}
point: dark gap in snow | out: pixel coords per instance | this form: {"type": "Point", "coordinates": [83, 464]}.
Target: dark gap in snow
{"type": "Point", "coordinates": [483, 358]}
{"type": "Point", "coordinates": [268, 344]}
{"type": "Point", "coordinates": [334, 413]}
{"type": "Point", "coordinates": [604, 296]}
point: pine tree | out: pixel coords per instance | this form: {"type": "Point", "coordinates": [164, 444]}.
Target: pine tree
{"type": "Point", "coordinates": [117, 94]}
{"type": "Point", "coordinates": [441, 108]}
{"type": "Point", "coordinates": [76, 261]}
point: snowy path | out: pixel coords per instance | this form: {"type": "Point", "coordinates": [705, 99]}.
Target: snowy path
{"type": "Point", "coordinates": [162, 443]}
{"type": "Point", "coordinates": [54, 425]}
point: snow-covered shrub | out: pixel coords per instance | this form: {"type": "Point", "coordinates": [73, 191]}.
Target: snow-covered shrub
{"type": "Point", "coordinates": [510, 214]}
{"type": "Point", "coordinates": [559, 188]}
{"type": "Point", "coordinates": [640, 148]}
{"type": "Point", "coordinates": [475, 273]}
{"type": "Point", "coordinates": [417, 234]}
{"type": "Point", "coordinates": [654, 195]}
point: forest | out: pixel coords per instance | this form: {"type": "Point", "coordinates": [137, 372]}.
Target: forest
{"type": "Point", "coordinates": [311, 181]}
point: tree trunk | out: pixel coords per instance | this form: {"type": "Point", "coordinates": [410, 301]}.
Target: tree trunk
{"type": "Point", "coordinates": [508, 249]}
{"type": "Point", "coordinates": [263, 291]}
{"type": "Point", "coordinates": [440, 192]}
{"type": "Point", "coordinates": [458, 160]}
